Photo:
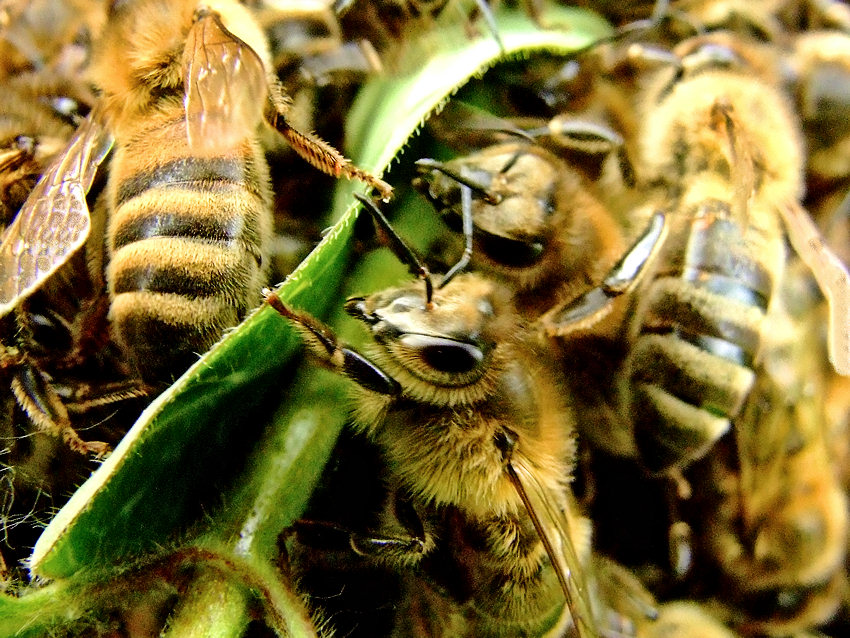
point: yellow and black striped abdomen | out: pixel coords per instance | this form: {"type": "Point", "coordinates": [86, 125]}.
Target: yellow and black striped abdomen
{"type": "Point", "coordinates": [691, 365]}
{"type": "Point", "coordinates": [186, 240]}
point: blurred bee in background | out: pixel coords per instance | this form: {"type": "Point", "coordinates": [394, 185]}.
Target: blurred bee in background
{"type": "Point", "coordinates": [763, 20]}
{"type": "Point", "coordinates": [55, 35]}
{"type": "Point", "coordinates": [819, 70]}
{"type": "Point", "coordinates": [388, 24]}
{"type": "Point", "coordinates": [771, 513]}
{"type": "Point", "coordinates": [39, 112]}
{"type": "Point", "coordinates": [306, 40]}
{"type": "Point", "coordinates": [188, 193]}
{"type": "Point", "coordinates": [46, 45]}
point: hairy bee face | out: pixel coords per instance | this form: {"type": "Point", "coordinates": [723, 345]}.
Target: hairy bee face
{"type": "Point", "coordinates": [512, 229]}
{"type": "Point", "coordinates": [445, 348]}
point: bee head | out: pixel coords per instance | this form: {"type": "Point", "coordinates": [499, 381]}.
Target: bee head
{"type": "Point", "coordinates": [513, 192]}
{"type": "Point", "coordinates": [447, 344]}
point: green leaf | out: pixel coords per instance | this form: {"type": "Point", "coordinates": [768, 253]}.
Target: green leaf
{"type": "Point", "coordinates": [445, 59]}
{"type": "Point", "coordinates": [195, 437]}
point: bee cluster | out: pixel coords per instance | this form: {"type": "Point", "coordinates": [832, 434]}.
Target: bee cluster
{"type": "Point", "coordinates": [622, 410]}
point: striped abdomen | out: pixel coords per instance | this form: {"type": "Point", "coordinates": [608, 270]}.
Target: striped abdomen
{"type": "Point", "coordinates": [700, 332]}
{"type": "Point", "coordinates": [187, 242]}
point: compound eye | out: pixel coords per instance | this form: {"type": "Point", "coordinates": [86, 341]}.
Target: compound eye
{"type": "Point", "coordinates": [512, 253]}
{"type": "Point", "coordinates": [444, 355]}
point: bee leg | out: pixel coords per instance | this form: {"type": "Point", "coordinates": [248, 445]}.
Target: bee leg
{"type": "Point", "coordinates": [589, 308]}
{"type": "Point", "coordinates": [317, 152]}
{"type": "Point", "coordinates": [323, 344]}
{"type": "Point", "coordinates": [466, 209]}
{"type": "Point", "coordinates": [590, 138]}
{"type": "Point", "coordinates": [405, 544]}
{"type": "Point", "coordinates": [388, 237]}
{"type": "Point", "coordinates": [37, 397]}
{"type": "Point", "coordinates": [82, 396]}
{"type": "Point", "coordinates": [627, 604]}
{"type": "Point", "coordinates": [5, 574]}
{"type": "Point", "coordinates": [680, 548]}
{"type": "Point", "coordinates": [390, 549]}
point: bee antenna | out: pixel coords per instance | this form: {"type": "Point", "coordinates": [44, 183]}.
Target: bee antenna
{"type": "Point", "coordinates": [477, 187]}
{"type": "Point", "coordinates": [523, 134]}
{"type": "Point", "coordinates": [511, 162]}
{"type": "Point", "coordinates": [466, 210]}
{"type": "Point", "coordinates": [490, 19]}
{"type": "Point", "coordinates": [392, 240]}
{"type": "Point", "coordinates": [506, 441]}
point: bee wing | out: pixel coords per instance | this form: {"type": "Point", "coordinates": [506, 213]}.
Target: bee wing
{"type": "Point", "coordinates": [832, 277]}
{"type": "Point", "coordinates": [549, 519]}
{"type": "Point", "coordinates": [225, 85]}
{"type": "Point", "coordinates": [54, 220]}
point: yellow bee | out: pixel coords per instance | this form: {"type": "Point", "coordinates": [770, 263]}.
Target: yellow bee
{"type": "Point", "coordinates": [480, 445]}
{"type": "Point", "coordinates": [711, 154]}
{"type": "Point", "coordinates": [185, 88]}
{"type": "Point", "coordinates": [465, 403]}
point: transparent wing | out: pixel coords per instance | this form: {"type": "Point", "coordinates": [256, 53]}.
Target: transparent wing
{"type": "Point", "coordinates": [552, 525]}
{"type": "Point", "coordinates": [832, 277]}
{"type": "Point", "coordinates": [54, 221]}
{"type": "Point", "coordinates": [786, 455]}
{"type": "Point", "coordinates": [225, 85]}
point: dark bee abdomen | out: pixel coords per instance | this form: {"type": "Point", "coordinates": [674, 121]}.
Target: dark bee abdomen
{"type": "Point", "coordinates": [186, 241]}
{"type": "Point", "coordinates": [691, 364]}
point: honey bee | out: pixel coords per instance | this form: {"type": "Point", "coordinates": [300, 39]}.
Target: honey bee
{"type": "Point", "coordinates": [764, 20]}
{"type": "Point", "coordinates": [461, 403]}
{"type": "Point", "coordinates": [308, 45]}
{"type": "Point", "coordinates": [465, 403]}
{"type": "Point", "coordinates": [536, 224]}
{"type": "Point", "coordinates": [773, 516]}
{"type": "Point", "coordinates": [387, 23]}
{"type": "Point", "coordinates": [733, 189]}
{"type": "Point", "coordinates": [54, 35]}
{"type": "Point", "coordinates": [185, 89]}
